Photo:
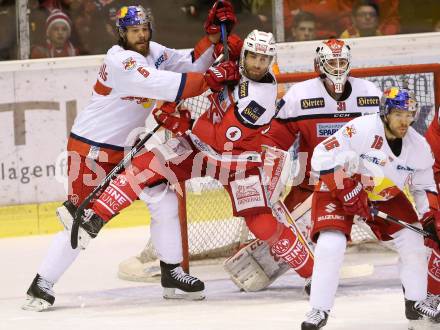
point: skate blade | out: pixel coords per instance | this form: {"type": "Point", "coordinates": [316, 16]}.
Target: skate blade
{"type": "Point", "coordinates": [64, 217]}
{"type": "Point", "coordinates": [35, 304]}
{"type": "Point", "coordinates": [422, 325]}
{"type": "Point", "coordinates": [170, 293]}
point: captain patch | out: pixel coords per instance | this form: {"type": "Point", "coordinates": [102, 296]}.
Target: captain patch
{"type": "Point", "coordinates": [243, 89]}
{"type": "Point", "coordinates": [367, 101]}
{"type": "Point", "coordinates": [312, 103]}
{"type": "Point", "coordinates": [253, 112]}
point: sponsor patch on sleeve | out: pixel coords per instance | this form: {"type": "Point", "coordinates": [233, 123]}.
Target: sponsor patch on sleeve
{"type": "Point", "coordinates": [253, 112]}
{"type": "Point", "coordinates": [129, 63]}
{"type": "Point", "coordinates": [243, 89]}
{"type": "Point", "coordinates": [317, 102]}
{"type": "Point", "coordinates": [327, 129]}
{"type": "Point", "coordinates": [368, 101]}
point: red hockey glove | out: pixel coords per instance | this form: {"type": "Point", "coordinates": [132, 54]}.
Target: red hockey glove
{"type": "Point", "coordinates": [177, 121]}
{"type": "Point", "coordinates": [221, 12]}
{"type": "Point", "coordinates": [234, 45]}
{"type": "Point", "coordinates": [431, 223]}
{"type": "Point", "coordinates": [222, 74]}
{"type": "Point", "coordinates": [354, 199]}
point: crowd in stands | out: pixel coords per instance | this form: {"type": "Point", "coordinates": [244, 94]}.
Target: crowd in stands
{"type": "Point", "coordinates": [85, 27]}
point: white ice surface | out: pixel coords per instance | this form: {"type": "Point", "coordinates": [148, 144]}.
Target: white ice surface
{"type": "Point", "coordinates": [90, 296]}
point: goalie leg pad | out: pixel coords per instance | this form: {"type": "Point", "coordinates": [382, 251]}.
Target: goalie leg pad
{"type": "Point", "coordinates": [253, 268]}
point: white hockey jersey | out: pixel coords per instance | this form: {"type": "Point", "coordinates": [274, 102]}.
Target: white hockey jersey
{"type": "Point", "coordinates": [362, 144]}
{"type": "Point", "coordinates": [126, 91]}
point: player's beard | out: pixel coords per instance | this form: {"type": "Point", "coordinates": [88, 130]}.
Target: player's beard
{"type": "Point", "coordinates": [141, 47]}
{"type": "Point", "coordinates": [398, 131]}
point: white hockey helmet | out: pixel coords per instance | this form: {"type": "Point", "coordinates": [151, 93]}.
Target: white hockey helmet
{"type": "Point", "coordinates": [258, 42]}
{"type": "Point", "coordinates": [332, 61]}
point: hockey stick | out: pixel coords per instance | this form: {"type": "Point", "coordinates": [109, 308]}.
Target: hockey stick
{"type": "Point", "coordinates": [224, 37]}
{"type": "Point", "coordinates": [392, 219]}
{"type": "Point", "coordinates": [107, 179]}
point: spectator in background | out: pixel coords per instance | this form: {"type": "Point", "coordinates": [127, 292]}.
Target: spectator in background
{"type": "Point", "coordinates": [303, 28]}
{"type": "Point", "coordinates": [332, 16]}
{"type": "Point", "coordinates": [8, 33]}
{"type": "Point", "coordinates": [365, 20]}
{"type": "Point", "coordinates": [389, 19]}
{"type": "Point", "coordinates": [58, 30]}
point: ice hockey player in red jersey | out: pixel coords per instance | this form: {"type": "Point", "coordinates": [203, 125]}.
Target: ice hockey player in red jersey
{"type": "Point", "coordinates": [368, 165]}
{"type": "Point", "coordinates": [310, 112]}
{"type": "Point", "coordinates": [432, 135]}
{"type": "Point", "coordinates": [225, 144]}
{"type": "Point", "coordinates": [135, 73]}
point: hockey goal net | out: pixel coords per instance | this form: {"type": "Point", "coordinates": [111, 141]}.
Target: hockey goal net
{"type": "Point", "coordinates": [208, 227]}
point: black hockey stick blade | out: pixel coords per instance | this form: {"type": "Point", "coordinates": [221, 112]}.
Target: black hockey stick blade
{"type": "Point", "coordinates": [118, 168]}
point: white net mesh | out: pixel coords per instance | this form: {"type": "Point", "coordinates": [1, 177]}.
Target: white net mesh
{"type": "Point", "coordinates": [214, 232]}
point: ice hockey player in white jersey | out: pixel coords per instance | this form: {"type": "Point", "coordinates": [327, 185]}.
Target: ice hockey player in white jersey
{"type": "Point", "coordinates": [135, 74]}
{"type": "Point", "coordinates": [371, 162]}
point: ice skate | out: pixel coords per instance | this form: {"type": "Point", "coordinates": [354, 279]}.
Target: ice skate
{"type": "Point", "coordinates": [174, 278]}
{"type": "Point", "coordinates": [40, 295]}
{"type": "Point", "coordinates": [316, 319]}
{"type": "Point", "coordinates": [421, 314]}
{"type": "Point", "coordinates": [65, 214]}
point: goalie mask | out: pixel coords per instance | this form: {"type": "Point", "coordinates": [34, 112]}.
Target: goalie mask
{"type": "Point", "coordinates": [257, 42]}
{"type": "Point", "coordinates": [399, 99]}
{"type": "Point", "coordinates": [332, 62]}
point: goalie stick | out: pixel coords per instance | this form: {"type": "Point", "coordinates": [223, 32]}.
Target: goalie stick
{"type": "Point", "coordinates": [107, 179]}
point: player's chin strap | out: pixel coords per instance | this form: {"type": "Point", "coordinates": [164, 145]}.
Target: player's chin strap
{"type": "Point", "coordinates": [392, 219]}
{"type": "Point", "coordinates": [118, 168]}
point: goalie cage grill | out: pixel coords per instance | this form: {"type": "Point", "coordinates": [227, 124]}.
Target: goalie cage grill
{"type": "Point", "coordinates": [208, 228]}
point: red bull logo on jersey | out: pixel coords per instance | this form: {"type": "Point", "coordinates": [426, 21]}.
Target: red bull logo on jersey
{"type": "Point", "coordinates": [349, 131]}
{"type": "Point", "coordinates": [129, 64]}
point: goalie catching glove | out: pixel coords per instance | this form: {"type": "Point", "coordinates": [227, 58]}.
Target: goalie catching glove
{"type": "Point", "coordinates": [431, 223]}
{"type": "Point", "coordinates": [223, 74]}
{"type": "Point", "coordinates": [172, 118]}
{"type": "Point", "coordinates": [221, 12]}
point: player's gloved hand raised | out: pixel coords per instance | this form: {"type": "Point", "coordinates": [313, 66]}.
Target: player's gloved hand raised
{"type": "Point", "coordinates": [177, 121]}
{"type": "Point", "coordinates": [222, 74]}
{"type": "Point", "coordinates": [221, 12]}
{"type": "Point", "coordinates": [431, 223]}
{"type": "Point", "coordinates": [234, 45]}
{"type": "Point", "coordinates": [354, 199]}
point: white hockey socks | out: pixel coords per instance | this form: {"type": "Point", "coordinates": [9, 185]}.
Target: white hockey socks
{"type": "Point", "coordinates": [329, 255]}
{"type": "Point", "coordinates": [165, 226]}
{"type": "Point", "coordinates": [59, 257]}
{"type": "Point", "coordinates": [413, 265]}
